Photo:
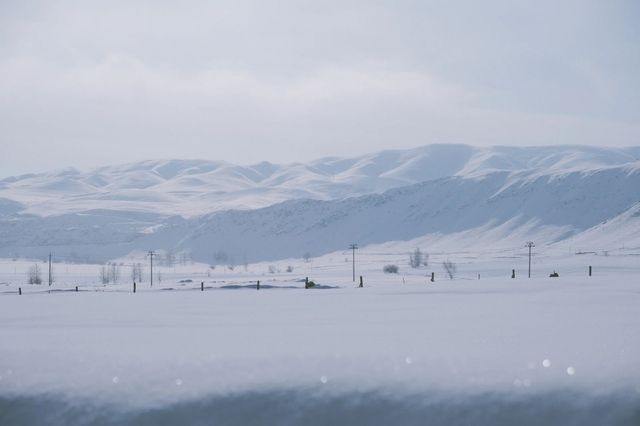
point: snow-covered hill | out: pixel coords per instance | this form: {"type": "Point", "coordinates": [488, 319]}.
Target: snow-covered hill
{"type": "Point", "coordinates": [194, 187]}
{"type": "Point", "coordinates": [475, 212]}
{"type": "Point", "coordinates": [590, 205]}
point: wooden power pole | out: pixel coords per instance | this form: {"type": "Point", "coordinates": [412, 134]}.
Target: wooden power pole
{"type": "Point", "coordinates": [353, 248]}
{"type": "Point", "coordinates": [50, 277]}
{"type": "Point", "coordinates": [530, 245]}
{"type": "Point", "coordinates": [151, 253]}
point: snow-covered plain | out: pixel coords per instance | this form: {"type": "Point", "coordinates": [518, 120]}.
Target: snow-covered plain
{"type": "Point", "coordinates": [402, 350]}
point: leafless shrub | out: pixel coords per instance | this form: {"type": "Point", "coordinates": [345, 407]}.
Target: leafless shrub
{"type": "Point", "coordinates": [104, 275]}
{"type": "Point", "coordinates": [450, 268]}
{"type": "Point", "coordinates": [114, 273]}
{"type": "Point", "coordinates": [136, 272]}
{"type": "Point", "coordinates": [34, 274]}
{"type": "Point", "coordinates": [415, 258]}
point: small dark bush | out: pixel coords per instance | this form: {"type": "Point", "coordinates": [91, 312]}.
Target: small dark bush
{"type": "Point", "coordinates": [390, 269]}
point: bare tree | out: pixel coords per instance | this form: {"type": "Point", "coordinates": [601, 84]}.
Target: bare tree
{"type": "Point", "coordinates": [114, 273]}
{"type": "Point", "coordinates": [306, 256]}
{"type": "Point", "coordinates": [104, 275]}
{"type": "Point", "coordinates": [450, 268]}
{"type": "Point", "coordinates": [136, 272]}
{"type": "Point", "coordinates": [169, 259]}
{"type": "Point", "coordinates": [415, 258]}
{"type": "Point", "coordinates": [34, 274]}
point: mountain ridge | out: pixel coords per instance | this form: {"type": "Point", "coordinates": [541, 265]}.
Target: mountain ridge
{"type": "Point", "coordinates": [487, 209]}
{"type": "Point", "coordinates": [194, 187]}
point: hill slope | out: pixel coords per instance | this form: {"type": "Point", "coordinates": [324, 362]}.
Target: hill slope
{"type": "Point", "coordinates": [482, 210]}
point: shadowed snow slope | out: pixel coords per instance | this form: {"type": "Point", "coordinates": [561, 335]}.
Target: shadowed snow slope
{"type": "Point", "coordinates": [302, 406]}
{"type": "Point", "coordinates": [194, 187]}
{"type": "Point", "coordinates": [549, 206]}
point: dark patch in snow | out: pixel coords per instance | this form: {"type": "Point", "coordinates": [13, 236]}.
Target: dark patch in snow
{"type": "Point", "coordinates": [310, 408]}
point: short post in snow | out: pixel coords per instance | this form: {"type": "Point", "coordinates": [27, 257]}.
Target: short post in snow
{"type": "Point", "coordinates": [19, 291]}
{"type": "Point", "coordinates": [306, 282]}
{"type": "Point", "coordinates": [202, 286]}
{"type": "Point", "coordinates": [433, 277]}
{"type": "Point", "coordinates": [361, 284]}
{"type": "Point", "coordinates": [258, 285]}
{"type": "Point", "coordinates": [513, 273]}
{"type": "Point", "coordinates": [134, 286]}
{"type": "Point", "coordinates": [76, 289]}
{"type": "Point", "coordinates": [589, 270]}
{"type": "Point", "coordinates": [478, 276]}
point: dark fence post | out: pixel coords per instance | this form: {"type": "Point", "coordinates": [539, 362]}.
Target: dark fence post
{"type": "Point", "coordinates": [258, 285]}
{"type": "Point", "coordinates": [134, 286]}
{"type": "Point", "coordinates": [513, 273]}
{"type": "Point", "coordinates": [361, 284]}
{"type": "Point", "coordinates": [19, 291]}
{"type": "Point", "coordinates": [202, 286]}
{"type": "Point", "coordinates": [433, 277]}
{"type": "Point", "coordinates": [306, 282]}
{"type": "Point", "coordinates": [589, 270]}
{"type": "Point", "coordinates": [76, 289]}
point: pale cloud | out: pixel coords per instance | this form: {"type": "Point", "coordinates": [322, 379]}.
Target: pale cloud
{"type": "Point", "coordinates": [85, 84]}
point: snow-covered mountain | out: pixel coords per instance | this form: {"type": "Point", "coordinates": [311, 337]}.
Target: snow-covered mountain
{"type": "Point", "coordinates": [194, 187]}
{"type": "Point", "coordinates": [481, 197]}
{"type": "Point", "coordinates": [476, 212]}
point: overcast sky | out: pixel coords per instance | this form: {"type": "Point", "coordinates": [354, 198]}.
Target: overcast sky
{"type": "Point", "coordinates": [87, 83]}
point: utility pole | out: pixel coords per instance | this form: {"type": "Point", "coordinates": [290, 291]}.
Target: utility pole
{"type": "Point", "coordinates": [50, 277]}
{"type": "Point", "coordinates": [353, 248]}
{"type": "Point", "coordinates": [530, 245]}
{"type": "Point", "coordinates": [151, 253]}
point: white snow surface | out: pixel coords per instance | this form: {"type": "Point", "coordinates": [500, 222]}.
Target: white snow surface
{"type": "Point", "coordinates": [540, 339]}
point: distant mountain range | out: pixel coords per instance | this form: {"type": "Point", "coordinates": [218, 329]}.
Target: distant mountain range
{"type": "Point", "coordinates": [195, 187]}
{"type": "Point", "coordinates": [268, 211]}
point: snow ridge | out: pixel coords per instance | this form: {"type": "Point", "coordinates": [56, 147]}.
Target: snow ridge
{"type": "Point", "coordinates": [194, 187]}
